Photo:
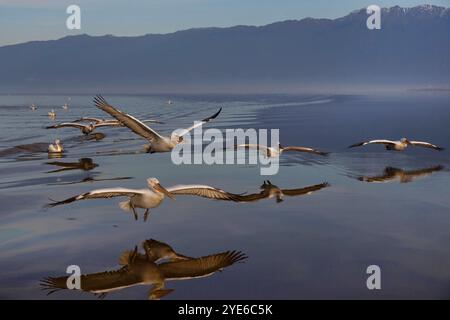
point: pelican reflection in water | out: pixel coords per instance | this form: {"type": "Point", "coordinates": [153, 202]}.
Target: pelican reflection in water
{"type": "Point", "coordinates": [85, 164]}
{"type": "Point", "coordinates": [159, 263]}
{"type": "Point", "coordinates": [404, 176]}
{"type": "Point", "coordinates": [269, 190]}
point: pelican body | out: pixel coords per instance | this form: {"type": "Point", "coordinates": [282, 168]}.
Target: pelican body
{"type": "Point", "coordinates": [52, 114]}
{"type": "Point", "coordinates": [56, 148]}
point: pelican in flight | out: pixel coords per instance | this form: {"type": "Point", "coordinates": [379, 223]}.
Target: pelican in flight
{"type": "Point", "coordinates": [52, 114]}
{"type": "Point", "coordinates": [158, 143]}
{"type": "Point", "coordinates": [271, 152]}
{"type": "Point", "coordinates": [56, 148]}
{"type": "Point", "coordinates": [147, 268]}
{"type": "Point", "coordinates": [33, 107]}
{"type": "Point", "coordinates": [399, 145]}
{"type": "Point", "coordinates": [151, 197]}
{"type": "Point", "coordinates": [269, 190]}
{"type": "Point", "coordinates": [85, 128]}
{"type": "Point", "coordinates": [85, 164]}
{"type": "Point", "coordinates": [404, 176]}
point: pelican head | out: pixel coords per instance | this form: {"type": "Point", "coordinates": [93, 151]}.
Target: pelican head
{"type": "Point", "coordinates": [87, 163]}
{"type": "Point", "coordinates": [176, 139]}
{"type": "Point", "coordinates": [404, 140]}
{"type": "Point", "coordinates": [156, 251]}
{"type": "Point", "coordinates": [154, 184]}
{"type": "Point", "coordinates": [57, 142]}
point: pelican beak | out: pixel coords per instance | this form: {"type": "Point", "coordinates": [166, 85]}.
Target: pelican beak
{"type": "Point", "coordinates": [160, 188]}
{"type": "Point", "coordinates": [180, 257]}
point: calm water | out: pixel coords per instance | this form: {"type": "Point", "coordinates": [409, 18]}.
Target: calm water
{"type": "Point", "coordinates": [315, 246]}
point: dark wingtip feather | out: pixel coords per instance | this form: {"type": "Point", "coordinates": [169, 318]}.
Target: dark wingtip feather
{"type": "Point", "coordinates": [50, 285]}
{"type": "Point", "coordinates": [359, 144]}
{"type": "Point", "coordinates": [213, 116]}
{"type": "Point", "coordinates": [236, 256]}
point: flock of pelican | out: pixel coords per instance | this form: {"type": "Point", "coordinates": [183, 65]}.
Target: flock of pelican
{"type": "Point", "coordinates": [152, 196]}
{"type": "Point", "coordinates": [146, 268]}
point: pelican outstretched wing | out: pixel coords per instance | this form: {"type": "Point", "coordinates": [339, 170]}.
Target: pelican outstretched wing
{"type": "Point", "coordinates": [305, 149]}
{"type": "Point", "coordinates": [67, 124]}
{"type": "Point", "coordinates": [108, 124]}
{"type": "Point", "coordinates": [98, 283]}
{"type": "Point", "coordinates": [390, 173]}
{"type": "Point", "coordinates": [377, 141]}
{"type": "Point", "coordinates": [253, 197]}
{"type": "Point", "coordinates": [259, 147]}
{"type": "Point", "coordinates": [426, 145]}
{"type": "Point", "coordinates": [203, 191]}
{"type": "Point", "coordinates": [199, 123]}
{"type": "Point", "coordinates": [90, 119]}
{"type": "Point", "coordinates": [200, 267]}
{"type": "Point", "coordinates": [127, 120]}
{"type": "Point", "coordinates": [306, 190]}
{"type": "Point", "coordinates": [99, 194]}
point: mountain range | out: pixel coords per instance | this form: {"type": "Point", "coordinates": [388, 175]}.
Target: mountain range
{"type": "Point", "coordinates": [411, 49]}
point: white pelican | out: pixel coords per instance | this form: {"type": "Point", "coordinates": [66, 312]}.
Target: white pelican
{"type": "Point", "coordinates": [269, 190]}
{"type": "Point", "coordinates": [144, 269]}
{"type": "Point", "coordinates": [56, 148]}
{"type": "Point", "coordinates": [52, 114]}
{"type": "Point", "coordinates": [158, 143]}
{"type": "Point", "coordinates": [85, 128]}
{"type": "Point", "coordinates": [33, 107]}
{"type": "Point", "coordinates": [271, 152]}
{"type": "Point", "coordinates": [65, 106]}
{"type": "Point", "coordinates": [404, 176]}
{"type": "Point", "coordinates": [151, 197]}
{"type": "Point", "coordinates": [400, 145]}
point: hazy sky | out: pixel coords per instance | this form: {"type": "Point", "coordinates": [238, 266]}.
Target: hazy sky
{"type": "Point", "coordinates": [24, 20]}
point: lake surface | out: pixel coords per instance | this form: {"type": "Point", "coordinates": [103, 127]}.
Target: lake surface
{"type": "Point", "coordinates": [313, 246]}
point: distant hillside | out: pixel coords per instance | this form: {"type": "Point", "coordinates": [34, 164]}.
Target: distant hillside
{"type": "Point", "coordinates": [413, 47]}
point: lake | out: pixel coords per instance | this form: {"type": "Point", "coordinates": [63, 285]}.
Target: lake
{"type": "Point", "coordinates": [311, 246]}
